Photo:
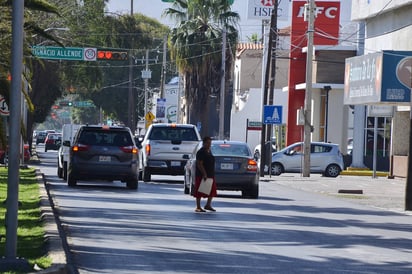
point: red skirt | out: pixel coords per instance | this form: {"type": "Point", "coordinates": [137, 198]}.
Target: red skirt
{"type": "Point", "coordinates": [197, 194]}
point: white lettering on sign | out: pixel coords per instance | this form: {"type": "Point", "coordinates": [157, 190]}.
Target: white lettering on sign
{"type": "Point", "coordinates": [330, 12]}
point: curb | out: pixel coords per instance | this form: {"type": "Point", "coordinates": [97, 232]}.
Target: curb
{"type": "Point", "coordinates": [52, 236]}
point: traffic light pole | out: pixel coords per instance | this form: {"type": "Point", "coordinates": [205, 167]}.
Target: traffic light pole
{"type": "Point", "coordinates": [130, 106]}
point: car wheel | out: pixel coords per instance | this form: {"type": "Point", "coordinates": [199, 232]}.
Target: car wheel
{"type": "Point", "coordinates": [186, 185]}
{"type": "Point", "coordinates": [70, 180]}
{"type": "Point", "coordinates": [64, 170]}
{"type": "Point", "coordinates": [146, 175]}
{"type": "Point", "coordinates": [332, 171]}
{"type": "Point", "coordinates": [277, 169]}
{"type": "Point", "coordinates": [132, 184]}
{"type": "Point", "coordinates": [59, 171]}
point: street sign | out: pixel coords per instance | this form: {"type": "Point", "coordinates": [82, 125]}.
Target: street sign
{"type": "Point", "coordinates": [4, 108]}
{"type": "Point", "coordinates": [272, 115]}
{"type": "Point", "coordinates": [83, 104]}
{"type": "Point", "coordinates": [60, 53]}
{"type": "Point", "coordinates": [254, 125]}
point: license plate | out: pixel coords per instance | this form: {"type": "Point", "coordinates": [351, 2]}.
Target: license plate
{"type": "Point", "coordinates": [105, 158]}
{"type": "Point", "coordinates": [175, 163]}
{"type": "Point", "coordinates": [227, 166]}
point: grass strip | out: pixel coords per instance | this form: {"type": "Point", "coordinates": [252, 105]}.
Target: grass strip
{"type": "Point", "coordinates": [31, 243]}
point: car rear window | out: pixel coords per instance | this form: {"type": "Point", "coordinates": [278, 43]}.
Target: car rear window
{"type": "Point", "coordinates": [229, 150]}
{"type": "Point", "coordinates": [173, 133]}
{"type": "Point", "coordinates": [106, 138]}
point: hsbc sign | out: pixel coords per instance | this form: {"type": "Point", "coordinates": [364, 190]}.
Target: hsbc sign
{"type": "Point", "coordinates": [262, 9]}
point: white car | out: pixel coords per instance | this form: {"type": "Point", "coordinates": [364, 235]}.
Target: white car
{"type": "Point", "coordinates": [325, 158]}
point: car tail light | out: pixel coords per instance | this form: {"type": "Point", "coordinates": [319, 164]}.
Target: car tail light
{"type": "Point", "coordinates": [130, 149]}
{"type": "Point", "coordinates": [251, 165]}
{"type": "Point", "coordinates": [148, 150]}
{"type": "Point", "coordinates": [80, 147]}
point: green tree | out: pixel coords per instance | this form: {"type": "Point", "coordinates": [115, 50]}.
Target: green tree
{"type": "Point", "coordinates": [196, 45]}
{"type": "Point", "coordinates": [31, 29]}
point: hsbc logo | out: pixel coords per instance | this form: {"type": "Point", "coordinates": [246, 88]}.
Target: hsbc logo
{"type": "Point", "coordinates": [266, 3]}
{"type": "Point", "coordinates": [328, 12]}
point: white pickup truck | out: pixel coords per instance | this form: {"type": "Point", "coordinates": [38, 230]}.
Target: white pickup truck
{"type": "Point", "coordinates": [166, 149]}
{"type": "Point", "coordinates": [68, 133]}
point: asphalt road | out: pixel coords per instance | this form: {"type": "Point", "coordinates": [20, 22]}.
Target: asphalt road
{"type": "Point", "coordinates": [111, 229]}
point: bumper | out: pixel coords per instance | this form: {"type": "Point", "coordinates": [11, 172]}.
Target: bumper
{"type": "Point", "coordinates": [167, 167]}
{"type": "Point", "coordinates": [121, 172]}
{"type": "Point", "coordinates": [236, 182]}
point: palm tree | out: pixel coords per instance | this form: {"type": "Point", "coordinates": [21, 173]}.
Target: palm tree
{"type": "Point", "coordinates": [196, 46]}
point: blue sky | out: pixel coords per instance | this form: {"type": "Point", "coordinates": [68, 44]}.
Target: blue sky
{"type": "Point", "coordinates": [154, 8]}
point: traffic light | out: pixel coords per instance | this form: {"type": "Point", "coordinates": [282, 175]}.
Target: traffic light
{"type": "Point", "coordinates": [111, 55]}
{"type": "Point", "coordinates": [65, 104]}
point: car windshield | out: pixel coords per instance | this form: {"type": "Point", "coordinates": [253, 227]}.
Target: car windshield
{"type": "Point", "coordinates": [230, 150]}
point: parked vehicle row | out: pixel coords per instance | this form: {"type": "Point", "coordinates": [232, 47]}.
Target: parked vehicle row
{"type": "Point", "coordinates": [112, 153]}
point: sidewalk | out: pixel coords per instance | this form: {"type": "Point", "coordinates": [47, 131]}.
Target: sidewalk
{"type": "Point", "coordinates": [379, 192]}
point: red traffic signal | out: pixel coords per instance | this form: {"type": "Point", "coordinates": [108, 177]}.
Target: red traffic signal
{"type": "Point", "coordinates": [111, 55]}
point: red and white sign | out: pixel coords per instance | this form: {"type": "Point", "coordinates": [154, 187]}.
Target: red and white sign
{"type": "Point", "coordinates": [327, 18]}
{"type": "Point", "coordinates": [4, 108]}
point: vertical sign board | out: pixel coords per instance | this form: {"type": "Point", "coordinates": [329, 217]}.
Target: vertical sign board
{"type": "Point", "coordinates": [272, 115]}
{"type": "Point", "coordinates": [376, 78]}
{"type": "Point", "coordinates": [327, 33]}
{"type": "Point", "coordinates": [171, 95]}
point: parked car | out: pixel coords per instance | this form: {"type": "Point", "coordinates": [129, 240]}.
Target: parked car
{"type": "Point", "coordinates": [68, 133]}
{"type": "Point", "coordinates": [53, 141]}
{"type": "Point", "coordinates": [235, 168]}
{"type": "Point", "coordinates": [103, 153]}
{"type": "Point", "coordinates": [325, 158]}
{"type": "Point", "coordinates": [41, 137]}
{"type": "Point", "coordinates": [166, 148]}
{"type": "Point", "coordinates": [4, 156]}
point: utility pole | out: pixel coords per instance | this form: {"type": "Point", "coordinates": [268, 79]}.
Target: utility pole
{"type": "Point", "coordinates": [222, 88]}
{"type": "Point", "coordinates": [163, 73]}
{"type": "Point", "coordinates": [131, 105]}
{"type": "Point", "coordinates": [10, 261]}
{"type": "Point", "coordinates": [263, 156]}
{"type": "Point", "coordinates": [310, 12]}
{"type": "Point", "coordinates": [146, 86]}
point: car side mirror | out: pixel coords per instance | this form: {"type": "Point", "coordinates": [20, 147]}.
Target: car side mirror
{"type": "Point", "coordinates": [66, 143]}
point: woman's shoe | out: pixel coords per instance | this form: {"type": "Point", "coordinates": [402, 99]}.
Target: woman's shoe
{"type": "Point", "coordinates": [210, 208]}
{"type": "Point", "coordinates": [200, 210]}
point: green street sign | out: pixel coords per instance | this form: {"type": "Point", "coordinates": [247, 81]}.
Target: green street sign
{"type": "Point", "coordinates": [83, 104]}
{"type": "Point", "coordinates": [60, 53]}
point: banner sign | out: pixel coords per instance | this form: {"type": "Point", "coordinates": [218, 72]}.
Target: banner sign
{"type": "Point", "coordinates": [381, 77]}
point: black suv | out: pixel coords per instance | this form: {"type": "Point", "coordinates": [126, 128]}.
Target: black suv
{"type": "Point", "coordinates": [103, 153]}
